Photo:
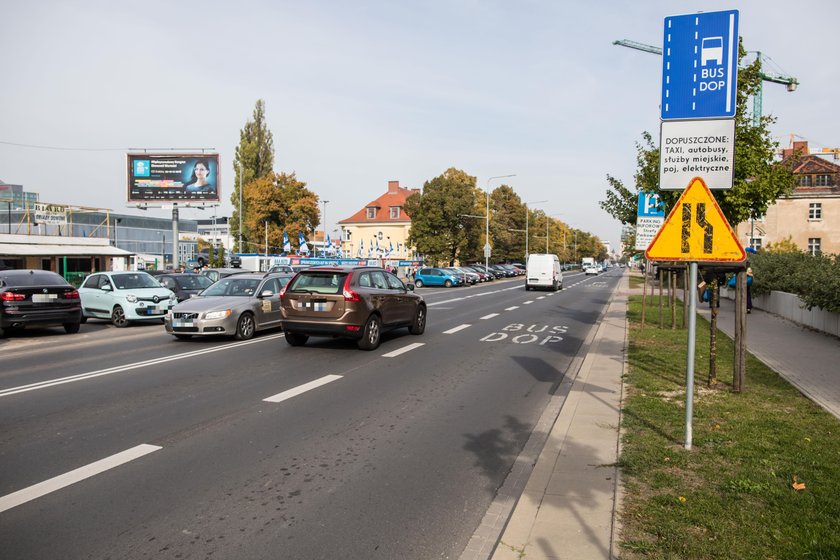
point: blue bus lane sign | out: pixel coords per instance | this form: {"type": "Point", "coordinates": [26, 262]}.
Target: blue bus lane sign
{"type": "Point", "coordinates": [700, 66]}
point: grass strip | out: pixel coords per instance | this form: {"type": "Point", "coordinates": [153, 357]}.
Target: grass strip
{"type": "Point", "coordinates": [763, 477]}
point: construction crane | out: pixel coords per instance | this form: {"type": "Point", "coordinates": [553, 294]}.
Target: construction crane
{"type": "Point", "coordinates": [788, 81]}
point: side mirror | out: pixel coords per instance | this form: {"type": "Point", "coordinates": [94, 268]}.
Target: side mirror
{"type": "Point", "coordinates": [107, 288]}
{"type": "Point", "coordinates": [409, 287]}
{"type": "Point", "coordinates": [266, 293]}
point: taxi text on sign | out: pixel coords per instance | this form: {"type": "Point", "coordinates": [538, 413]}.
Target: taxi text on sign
{"type": "Point", "coordinates": [696, 230]}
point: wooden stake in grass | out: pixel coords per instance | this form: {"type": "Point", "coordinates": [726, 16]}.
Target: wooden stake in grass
{"type": "Point", "coordinates": [661, 281]}
{"type": "Point", "coordinates": [644, 292]}
{"type": "Point", "coordinates": [713, 301]}
{"type": "Point", "coordinates": [672, 289]}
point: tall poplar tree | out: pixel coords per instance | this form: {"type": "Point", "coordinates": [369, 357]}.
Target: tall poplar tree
{"type": "Point", "coordinates": [254, 159]}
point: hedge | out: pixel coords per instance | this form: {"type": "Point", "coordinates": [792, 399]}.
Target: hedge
{"type": "Point", "coordinates": [815, 279]}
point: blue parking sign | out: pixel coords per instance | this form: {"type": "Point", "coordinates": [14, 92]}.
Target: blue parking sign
{"type": "Point", "coordinates": [650, 206]}
{"type": "Point", "coordinates": [700, 66]}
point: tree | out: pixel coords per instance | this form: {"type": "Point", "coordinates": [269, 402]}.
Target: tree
{"type": "Point", "coordinates": [283, 202]}
{"type": "Point", "coordinates": [440, 229]}
{"type": "Point", "coordinates": [507, 213]}
{"type": "Point", "coordinates": [758, 180]}
{"type": "Point", "coordinates": [254, 158]}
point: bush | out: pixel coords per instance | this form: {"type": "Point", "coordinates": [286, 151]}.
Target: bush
{"type": "Point", "coordinates": [815, 279]}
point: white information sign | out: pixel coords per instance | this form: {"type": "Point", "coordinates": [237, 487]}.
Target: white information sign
{"type": "Point", "coordinates": [646, 229]}
{"type": "Point", "coordinates": [700, 148]}
{"type": "Point", "coordinates": [50, 214]}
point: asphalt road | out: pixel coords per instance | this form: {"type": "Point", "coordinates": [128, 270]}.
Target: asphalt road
{"type": "Point", "coordinates": [127, 443]}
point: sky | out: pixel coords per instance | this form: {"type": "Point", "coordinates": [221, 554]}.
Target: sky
{"type": "Point", "coordinates": [361, 93]}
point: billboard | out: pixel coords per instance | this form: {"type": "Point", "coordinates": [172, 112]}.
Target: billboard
{"type": "Point", "coordinates": [173, 177]}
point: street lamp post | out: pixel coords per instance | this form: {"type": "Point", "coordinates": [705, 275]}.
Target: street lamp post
{"type": "Point", "coordinates": [240, 207]}
{"type": "Point", "coordinates": [487, 220]}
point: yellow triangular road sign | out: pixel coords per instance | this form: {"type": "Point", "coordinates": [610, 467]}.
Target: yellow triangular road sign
{"type": "Point", "coordinates": [696, 230]}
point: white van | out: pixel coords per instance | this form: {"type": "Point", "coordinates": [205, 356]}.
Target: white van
{"type": "Point", "coordinates": [543, 271]}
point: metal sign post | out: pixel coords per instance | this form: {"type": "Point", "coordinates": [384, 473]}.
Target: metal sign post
{"type": "Point", "coordinates": [689, 369]}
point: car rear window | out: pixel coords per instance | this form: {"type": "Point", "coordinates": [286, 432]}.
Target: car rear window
{"type": "Point", "coordinates": [321, 282]}
{"type": "Point", "coordinates": [36, 278]}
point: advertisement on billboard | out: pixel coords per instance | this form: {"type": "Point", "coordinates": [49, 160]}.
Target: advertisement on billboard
{"type": "Point", "coordinates": [173, 177]}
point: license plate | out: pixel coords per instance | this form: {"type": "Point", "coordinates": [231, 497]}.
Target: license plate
{"type": "Point", "coordinates": [43, 298]}
{"type": "Point", "coordinates": [177, 323]}
{"type": "Point", "coordinates": [153, 311]}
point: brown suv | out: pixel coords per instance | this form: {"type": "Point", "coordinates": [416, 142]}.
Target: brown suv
{"type": "Point", "coordinates": [354, 302]}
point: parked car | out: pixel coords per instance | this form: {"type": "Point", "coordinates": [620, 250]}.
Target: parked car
{"type": "Point", "coordinates": [472, 276]}
{"type": "Point", "coordinates": [462, 276]}
{"type": "Point", "coordinates": [436, 277]}
{"type": "Point", "coordinates": [349, 302]}
{"type": "Point", "coordinates": [238, 305]}
{"type": "Point", "coordinates": [544, 271]}
{"type": "Point", "coordinates": [488, 271]}
{"type": "Point", "coordinates": [284, 268]}
{"type": "Point", "coordinates": [216, 274]}
{"type": "Point", "coordinates": [37, 298]}
{"type": "Point", "coordinates": [185, 284]}
{"type": "Point", "coordinates": [122, 297]}
{"type": "Point", "coordinates": [482, 276]}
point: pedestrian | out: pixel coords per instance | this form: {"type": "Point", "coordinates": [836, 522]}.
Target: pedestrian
{"type": "Point", "coordinates": [749, 289]}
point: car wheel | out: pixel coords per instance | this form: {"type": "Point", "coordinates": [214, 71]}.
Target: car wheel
{"type": "Point", "coordinates": [371, 334]}
{"type": "Point", "coordinates": [183, 336]}
{"type": "Point", "coordinates": [118, 317]}
{"type": "Point", "coordinates": [447, 284]}
{"type": "Point", "coordinates": [419, 324]}
{"type": "Point", "coordinates": [245, 327]}
{"type": "Point", "coordinates": [418, 283]}
{"type": "Point", "coordinates": [71, 328]}
{"type": "Point", "coordinates": [295, 339]}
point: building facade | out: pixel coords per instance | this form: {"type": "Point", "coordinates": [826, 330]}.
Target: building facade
{"type": "Point", "coordinates": [810, 216]}
{"type": "Point", "coordinates": [381, 228]}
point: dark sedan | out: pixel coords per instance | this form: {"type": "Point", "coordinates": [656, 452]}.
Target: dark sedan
{"type": "Point", "coordinates": [186, 284]}
{"type": "Point", "coordinates": [37, 298]}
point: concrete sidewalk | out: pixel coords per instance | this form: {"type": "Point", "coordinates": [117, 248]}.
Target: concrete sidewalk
{"type": "Point", "coordinates": [808, 359]}
{"type": "Point", "coordinates": [567, 507]}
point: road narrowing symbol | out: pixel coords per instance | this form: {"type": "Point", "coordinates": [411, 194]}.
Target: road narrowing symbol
{"type": "Point", "coordinates": [696, 230]}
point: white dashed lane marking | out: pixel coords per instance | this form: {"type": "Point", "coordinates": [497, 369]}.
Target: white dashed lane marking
{"type": "Point", "coordinates": [403, 350]}
{"type": "Point", "coordinates": [490, 316]}
{"type": "Point", "coordinates": [61, 481]}
{"type": "Point", "coordinates": [300, 389]}
{"type": "Point", "coordinates": [456, 329]}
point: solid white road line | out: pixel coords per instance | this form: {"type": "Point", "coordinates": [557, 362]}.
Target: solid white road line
{"type": "Point", "coordinates": [490, 316]}
{"type": "Point", "coordinates": [128, 367]}
{"type": "Point", "coordinates": [456, 329]}
{"type": "Point", "coordinates": [511, 308]}
{"type": "Point", "coordinates": [300, 389]}
{"type": "Point", "coordinates": [517, 287]}
{"type": "Point", "coordinates": [403, 350]}
{"type": "Point", "coordinates": [57, 483]}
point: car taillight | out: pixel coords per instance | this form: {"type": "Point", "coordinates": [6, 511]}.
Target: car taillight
{"type": "Point", "coordinates": [349, 295]}
{"type": "Point", "coordinates": [11, 296]}
{"type": "Point", "coordinates": [74, 294]}
{"type": "Point", "coordinates": [283, 290]}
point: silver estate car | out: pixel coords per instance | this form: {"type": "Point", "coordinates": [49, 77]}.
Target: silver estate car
{"type": "Point", "coordinates": [237, 305]}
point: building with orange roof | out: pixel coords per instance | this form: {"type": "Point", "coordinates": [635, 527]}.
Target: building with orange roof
{"type": "Point", "coordinates": [381, 224]}
{"type": "Point", "coordinates": [810, 215]}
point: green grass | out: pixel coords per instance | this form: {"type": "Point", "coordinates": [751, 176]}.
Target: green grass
{"type": "Point", "coordinates": [731, 496]}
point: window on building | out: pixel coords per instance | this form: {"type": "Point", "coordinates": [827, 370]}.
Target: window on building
{"type": "Point", "coordinates": [755, 243]}
{"type": "Point", "coordinates": [395, 212]}
{"type": "Point", "coordinates": [823, 180]}
{"type": "Point", "coordinates": [805, 181]}
{"type": "Point", "coordinates": [814, 245]}
{"type": "Point", "coordinates": [371, 213]}
{"type": "Point", "coordinates": [815, 211]}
